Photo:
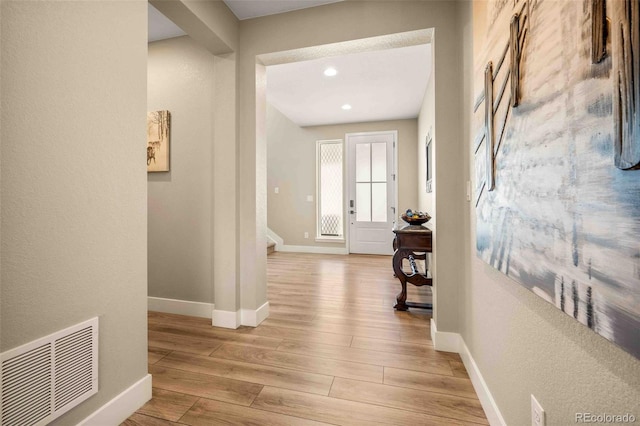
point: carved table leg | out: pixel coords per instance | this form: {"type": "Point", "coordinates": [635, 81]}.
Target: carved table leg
{"type": "Point", "coordinates": [401, 299]}
{"type": "Point", "coordinates": [395, 247]}
{"type": "Point", "coordinates": [397, 268]}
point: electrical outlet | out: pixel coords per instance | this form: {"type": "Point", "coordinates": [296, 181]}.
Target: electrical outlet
{"type": "Point", "coordinates": [276, 190]}
{"type": "Point", "coordinates": [468, 190]}
{"type": "Point", "coordinates": [306, 235]}
{"type": "Point", "coordinates": [310, 198]}
{"type": "Point", "coordinates": [537, 413]}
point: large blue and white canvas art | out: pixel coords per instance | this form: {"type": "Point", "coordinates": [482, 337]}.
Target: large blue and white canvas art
{"type": "Point", "coordinates": [557, 144]}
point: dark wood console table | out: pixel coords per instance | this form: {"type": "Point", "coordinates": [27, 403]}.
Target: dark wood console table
{"type": "Point", "coordinates": [411, 242]}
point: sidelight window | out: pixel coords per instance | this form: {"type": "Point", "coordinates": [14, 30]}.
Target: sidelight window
{"type": "Point", "coordinates": [330, 167]}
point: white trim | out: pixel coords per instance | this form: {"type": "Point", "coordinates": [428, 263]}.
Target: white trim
{"type": "Point", "coordinates": [453, 342]}
{"type": "Point", "coordinates": [340, 240]}
{"type": "Point", "coordinates": [249, 317]}
{"type": "Point", "coordinates": [281, 246]}
{"type": "Point", "coordinates": [275, 238]}
{"type": "Point", "coordinates": [313, 249]}
{"type": "Point", "coordinates": [122, 406]}
{"type": "Point", "coordinates": [226, 319]}
{"type": "Point", "coordinates": [445, 341]}
{"type": "Point", "coordinates": [252, 317]}
{"type": "Point", "coordinates": [484, 395]}
{"type": "Point", "coordinates": [180, 307]}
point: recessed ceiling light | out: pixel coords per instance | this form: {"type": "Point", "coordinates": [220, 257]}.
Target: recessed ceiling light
{"type": "Point", "coordinates": [346, 107]}
{"type": "Point", "coordinates": [330, 72]}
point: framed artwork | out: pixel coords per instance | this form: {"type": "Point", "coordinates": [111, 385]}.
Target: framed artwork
{"type": "Point", "coordinates": [158, 136]}
{"type": "Point", "coordinates": [429, 163]}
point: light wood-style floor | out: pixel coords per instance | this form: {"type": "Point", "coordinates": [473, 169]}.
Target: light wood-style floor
{"type": "Point", "coordinates": [333, 351]}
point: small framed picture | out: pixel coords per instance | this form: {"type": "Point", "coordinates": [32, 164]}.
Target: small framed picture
{"type": "Point", "coordinates": [158, 136]}
{"type": "Point", "coordinates": [429, 162]}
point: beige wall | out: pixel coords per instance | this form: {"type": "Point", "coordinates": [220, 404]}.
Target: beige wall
{"type": "Point", "coordinates": [306, 28]}
{"type": "Point", "coordinates": [1, 7]}
{"type": "Point", "coordinates": [210, 23]}
{"type": "Point", "coordinates": [180, 79]}
{"type": "Point", "coordinates": [213, 26]}
{"type": "Point", "coordinates": [426, 121]}
{"type": "Point", "coordinates": [522, 344]}
{"type": "Point", "coordinates": [291, 166]}
{"type": "Point", "coordinates": [74, 215]}
{"type": "Point", "coordinates": [74, 212]}
{"type": "Point", "coordinates": [225, 186]}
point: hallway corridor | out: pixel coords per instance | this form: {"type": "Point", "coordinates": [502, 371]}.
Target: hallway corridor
{"type": "Point", "coordinates": [333, 351]}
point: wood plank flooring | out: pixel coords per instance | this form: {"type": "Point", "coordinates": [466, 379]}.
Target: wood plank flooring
{"type": "Point", "coordinates": [333, 351]}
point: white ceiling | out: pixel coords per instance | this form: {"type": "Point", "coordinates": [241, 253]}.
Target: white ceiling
{"type": "Point", "coordinates": [379, 85]}
{"type": "Point", "coordinates": [161, 27]}
{"type": "Point", "coordinates": [247, 9]}
{"type": "Point", "coordinates": [383, 84]}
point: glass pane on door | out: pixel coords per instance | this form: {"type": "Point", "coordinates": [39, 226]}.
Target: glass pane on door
{"type": "Point", "coordinates": [379, 162]}
{"type": "Point", "coordinates": [363, 202]}
{"type": "Point", "coordinates": [371, 182]}
{"type": "Point", "coordinates": [379, 202]}
{"type": "Point", "coordinates": [363, 162]}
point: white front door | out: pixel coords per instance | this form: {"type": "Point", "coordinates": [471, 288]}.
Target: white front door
{"type": "Point", "coordinates": [371, 202]}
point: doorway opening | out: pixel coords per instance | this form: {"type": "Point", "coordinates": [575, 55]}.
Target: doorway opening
{"type": "Point", "coordinates": [298, 118]}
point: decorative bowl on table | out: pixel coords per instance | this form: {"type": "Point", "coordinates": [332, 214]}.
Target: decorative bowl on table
{"type": "Point", "coordinates": [415, 218]}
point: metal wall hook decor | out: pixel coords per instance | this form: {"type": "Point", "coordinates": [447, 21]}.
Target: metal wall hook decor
{"type": "Point", "coordinates": [513, 49]}
{"type": "Point", "coordinates": [626, 83]}
{"type": "Point", "coordinates": [598, 30]}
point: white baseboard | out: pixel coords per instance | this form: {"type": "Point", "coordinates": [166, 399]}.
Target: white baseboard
{"type": "Point", "coordinates": [453, 342]}
{"type": "Point", "coordinates": [253, 318]}
{"type": "Point", "coordinates": [180, 307]}
{"type": "Point", "coordinates": [122, 406]}
{"type": "Point", "coordinates": [281, 246]}
{"type": "Point", "coordinates": [275, 238]}
{"type": "Point", "coordinates": [312, 249]}
{"type": "Point", "coordinates": [249, 317]}
{"type": "Point", "coordinates": [484, 395]}
{"type": "Point", "coordinates": [226, 319]}
{"type": "Point", "coordinates": [443, 340]}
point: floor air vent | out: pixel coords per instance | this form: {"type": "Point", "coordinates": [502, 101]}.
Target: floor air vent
{"type": "Point", "coordinates": [46, 378]}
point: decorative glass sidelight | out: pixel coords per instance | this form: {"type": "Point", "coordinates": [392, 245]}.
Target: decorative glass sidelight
{"type": "Point", "coordinates": [330, 189]}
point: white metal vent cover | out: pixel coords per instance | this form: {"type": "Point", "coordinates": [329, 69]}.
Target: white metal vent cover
{"type": "Point", "coordinates": [44, 379]}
